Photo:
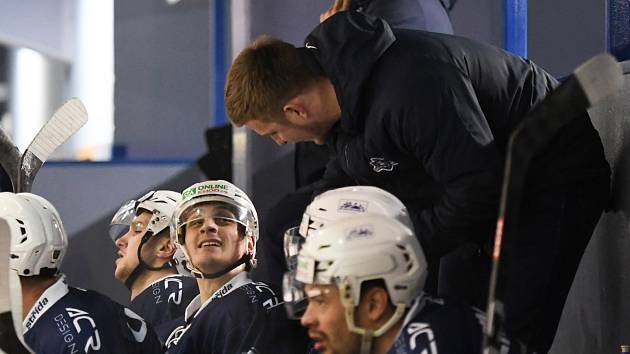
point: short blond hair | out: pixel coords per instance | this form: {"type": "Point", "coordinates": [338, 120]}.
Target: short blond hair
{"type": "Point", "coordinates": [262, 78]}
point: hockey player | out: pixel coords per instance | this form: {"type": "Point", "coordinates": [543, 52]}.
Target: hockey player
{"type": "Point", "coordinates": [59, 318]}
{"type": "Point", "coordinates": [146, 259]}
{"type": "Point", "coordinates": [363, 277]}
{"type": "Point", "coordinates": [216, 225]}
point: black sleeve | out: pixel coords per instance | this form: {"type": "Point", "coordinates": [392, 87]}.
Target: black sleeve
{"type": "Point", "coordinates": [445, 129]}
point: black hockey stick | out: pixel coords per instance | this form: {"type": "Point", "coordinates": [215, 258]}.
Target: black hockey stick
{"type": "Point", "coordinates": [591, 82]}
{"type": "Point", "coordinates": [10, 325]}
{"type": "Point", "coordinates": [21, 169]}
{"type": "Point", "coordinates": [9, 158]}
{"type": "Point", "coordinates": [66, 121]}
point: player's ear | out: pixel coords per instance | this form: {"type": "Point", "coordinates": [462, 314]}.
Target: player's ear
{"type": "Point", "coordinates": [166, 248]}
{"type": "Point", "coordinates": [377, 304]}
{"type": "Point", "coordinates": [295, 110]}
{"type": "Point", "coordinates": [250, 244]}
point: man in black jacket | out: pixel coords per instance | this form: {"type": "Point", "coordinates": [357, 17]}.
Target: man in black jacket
{"type": "Point", "coordinates": [427, 117]}
{"type": "Point", "coordinates": [310, 159]}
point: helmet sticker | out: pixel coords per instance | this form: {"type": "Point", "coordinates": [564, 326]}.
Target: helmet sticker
{"type": "Point", "coordinates": [201, 189]}
{"type": "Point", "coordinates": [362, 231]}
{"type": "Point", "coordinates": [305, 269]}
{"type": "Point", "coordinates": [352, 206]}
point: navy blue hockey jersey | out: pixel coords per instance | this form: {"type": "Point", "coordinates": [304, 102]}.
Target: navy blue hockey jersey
{"type": "Point", "coordinates": [433, 326]}
{"type": "Point", "coordinates": [241, 317]}
{"type": "Point", "coordinates": [71, 320]}
{"type": "Point", "coordinates": [165, 299]}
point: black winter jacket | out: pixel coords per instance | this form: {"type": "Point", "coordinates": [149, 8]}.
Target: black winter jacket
{"type": "Point", "coordinates": [427, 117]}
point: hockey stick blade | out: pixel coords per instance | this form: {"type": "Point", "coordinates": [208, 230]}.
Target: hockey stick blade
{"type": "Point", "coordinates": [10, 323]}
{"type": "Point", "coordinates": [590, 83]}
{"type": "Point", "coordinates": [68, 119]}
{"type": "Point", "coordinates": [9, 158]}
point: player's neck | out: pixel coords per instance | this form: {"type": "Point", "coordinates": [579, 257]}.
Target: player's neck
{"type": "Point", "coordinates": [147, 278]}
{"type": "Point", "coordinates": [207, 287]}
{"type": "Point", "coordinates": [32, 289]}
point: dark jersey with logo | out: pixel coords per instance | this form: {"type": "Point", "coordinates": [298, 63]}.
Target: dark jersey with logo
{"type": "Point", "coordinates": [434, 326]}
{"type": "Point", "coordinates": [165, 299]}
{"type": "Point", "coordinates": [72, 320]}
{"type": "Point", "coordinates": [239, 318]}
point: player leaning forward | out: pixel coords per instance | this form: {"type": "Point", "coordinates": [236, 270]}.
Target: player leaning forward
{"type": "Point", "coordinates": [216, 226]}
{"type": "Point", "coordinates": [59, 318]}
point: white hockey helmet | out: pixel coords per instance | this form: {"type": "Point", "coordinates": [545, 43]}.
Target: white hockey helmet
{"type": "Point", "coordinates": [161, 204]}
{"type": "Point", "coordinates": [38, 238]}
{"type": "Point", "coordinates": [352, 251]}
{"type": "Point", "coordinates": [339, 204]}
{"type": "Point", "coordinates": [214, 191]}
{"type": "Point", "coordinates": [343, 202]}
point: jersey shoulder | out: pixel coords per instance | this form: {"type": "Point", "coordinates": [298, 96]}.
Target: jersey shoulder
{"type": "Point", "coordinates": [165, 300]}
{"type": "Point", "coordinates": [84, 320]}
{"type": "Point", "coordinates": [441, 326]}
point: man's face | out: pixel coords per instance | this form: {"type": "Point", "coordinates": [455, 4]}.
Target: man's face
{"type": "Point", "coordinates": [326, 321]}
{"type": "Point", "coordinates": [212, 240]}
{"type": "Point", "coordinates": [285, 131]}
{"type": "Point", "coordinates": [128, 246]}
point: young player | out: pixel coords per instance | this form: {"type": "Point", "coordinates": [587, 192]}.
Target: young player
{"type": "Point", "coordinates": [363, 277]}
{"type": "Point", "coordinates": [216, 226]}
{"type": "Point", "coordinates": [145, 264]}
{"type": "Point", "coordinates": [59, 318]}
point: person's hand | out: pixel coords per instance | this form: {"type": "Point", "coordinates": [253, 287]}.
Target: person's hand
{"type": "Point", "coordinates": [339, 5]}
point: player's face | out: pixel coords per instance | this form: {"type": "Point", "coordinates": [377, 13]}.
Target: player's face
{"type": "Point", "coordinates": [213, 241]}
{"type": "Point", "coordinates": [128, 246]}
{"type": "Point", "coordinates": [326, 321]}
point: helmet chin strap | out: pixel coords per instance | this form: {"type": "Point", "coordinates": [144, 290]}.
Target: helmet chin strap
{"type": "Point", "coordinates": [367, 335]}
{"type": "Point", "coordinates": [245, 259]}
{"type": "Point", "coordinates": [142, 265]}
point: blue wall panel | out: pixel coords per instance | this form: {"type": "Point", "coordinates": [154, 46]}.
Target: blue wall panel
{"type": "Point", "coordinates": [618, 33]}
{"type": "Point", "coordinates": [515, 15]}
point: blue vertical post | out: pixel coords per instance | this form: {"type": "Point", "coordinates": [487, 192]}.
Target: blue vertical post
{"type": "Point", "coordinates": [220, 66]}
{"type": "Point", "coordinates": [515, 34]}
{"type": "Point", "coordinates": [618, 28]}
